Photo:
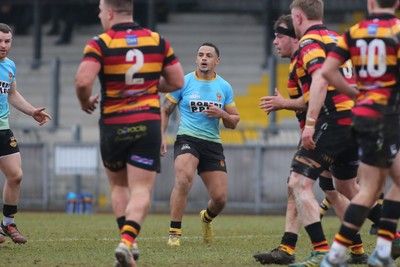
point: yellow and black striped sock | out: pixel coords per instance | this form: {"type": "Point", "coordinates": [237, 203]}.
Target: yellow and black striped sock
{"type": "Point", "coordinates": [208, 216]}
{"type": "Point", "coordinates": [175, 228]}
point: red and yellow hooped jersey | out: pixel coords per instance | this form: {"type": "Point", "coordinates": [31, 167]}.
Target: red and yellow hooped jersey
{"type": "Point", "coordinates": [373, 47]}
{"type": "Point", "coordinates": [132, 60]}
{"type": "Point", "coordinates": [313, 49]}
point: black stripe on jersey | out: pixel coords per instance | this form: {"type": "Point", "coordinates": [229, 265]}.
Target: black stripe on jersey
{"type": "Point", "coordinates": [148, 76]}
{"type": "Point", "coordinates": [147, 50]}
{"type": "Point", "coordinates": [93, 55]}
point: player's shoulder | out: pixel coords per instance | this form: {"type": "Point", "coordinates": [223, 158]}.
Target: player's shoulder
{"type": "Point", "coordinates": [9, 62]}
{"type": "Point", "coordinates": [224, 83]}
{"type": "Point", "coordinates": [306, 41]}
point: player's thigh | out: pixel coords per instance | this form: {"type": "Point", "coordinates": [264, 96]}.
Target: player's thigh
{"type": "Point", "coordinates": [216, 183]}
{"type": "Point", "coordinates": [185, 166]}
{"type": "Point", "coordinates": [10, 165]}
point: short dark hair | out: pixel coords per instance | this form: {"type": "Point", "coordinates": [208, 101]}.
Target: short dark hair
{"type": "Point", "coordinates": [386, 3]}
{"type": "Point", "coordinates": [5, 28]}
{"type": "Point", "coordinates": [211, 45]}
{"type": "Point", "coordinates": [121, 5]}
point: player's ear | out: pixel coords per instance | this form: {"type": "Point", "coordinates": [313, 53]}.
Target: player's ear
{"type": "Point", "coordinates": [110, 13]}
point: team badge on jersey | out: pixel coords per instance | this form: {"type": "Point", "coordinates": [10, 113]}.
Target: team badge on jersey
{"type": "Point", "coordinates": [131, 39]}
{"type": "Point", "coordinates": [13, 142]}
{"type": "Point", "coordinates": [219, 96]}
{"type": "Point", "coordinates": [10, 76]}
{"type": "Point", "coordinates": [372, 29]}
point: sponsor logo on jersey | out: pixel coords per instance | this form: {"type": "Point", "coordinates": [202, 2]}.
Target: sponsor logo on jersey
{"type": "Point", "coordinates": [194, 95]}
{"type": "Point", "coordinates": [4, 87]}
{"type": "Point", "coordinates": [372, 29]}
{"type": "Point", "coordinates": [335, 39]}
{"type": "Point", "coordinates": [306, 42]}
{"type": "Point", "coordinates": [201, 105]}
{"type": "Point", "coordinates": [131, 39]}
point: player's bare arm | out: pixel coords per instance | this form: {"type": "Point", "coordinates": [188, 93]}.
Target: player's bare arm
{"type": "Point", "coordinates": [166, 110]}
{"type": "Point", "coordinates": [171, 79]}
{"type": "Point", "coordinates": [318, 91]}
{"type": "Point", "coordinates": [230, 117]}
{"type": "Point", "coordinates": [84, 80]}
{"type": "Point", "coordinates": [20, 103]}
{"type": "Point", "coordinates": [330, 71]}
{"type": "Point", "coordinates": [278, 102]}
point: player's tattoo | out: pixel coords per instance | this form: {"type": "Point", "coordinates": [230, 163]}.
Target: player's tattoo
{"type": "Point", "coordinates": [168, 106]}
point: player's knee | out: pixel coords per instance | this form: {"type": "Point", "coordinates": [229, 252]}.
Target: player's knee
{"type": "Point", "coordinates": [15, 177]}
{"type": "Point", "coordinates": [183, 183]}
{"type": "Point", "coordinates": [220, 201]}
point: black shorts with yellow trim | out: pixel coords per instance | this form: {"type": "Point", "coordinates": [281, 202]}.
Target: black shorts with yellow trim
{"type": "Point", "coordinates": [335, 150]}
{"type": "Point", "coordinates": [137, 144]}
{"type": "Point", "coordinates": [210, 154]}
{"type": "Point", "coordinates": [378, 139]}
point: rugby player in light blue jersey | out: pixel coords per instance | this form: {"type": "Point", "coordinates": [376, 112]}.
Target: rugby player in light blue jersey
{"type": "Point", "coordinates": [10, 159]}
{"type": "Point", "coordinates": [205, 99]}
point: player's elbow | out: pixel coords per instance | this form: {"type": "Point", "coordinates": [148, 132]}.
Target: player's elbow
{"type": "Point", "coordinates": [80, 82]}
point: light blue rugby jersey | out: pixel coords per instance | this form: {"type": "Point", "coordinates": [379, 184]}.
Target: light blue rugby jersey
{"type": "Point", "coordinates": [7, 76]}
{"type": "Point", "coordinates": [193, 98]}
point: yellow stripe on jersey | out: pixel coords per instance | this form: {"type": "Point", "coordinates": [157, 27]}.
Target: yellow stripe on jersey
{"type": "Point", "coordinates": [359, 33]}
{"type": "Point", "coordinates": [117, 93]}
{"type": "Point", "coordinates": [312, 55]}
{"type": "Point", "coordinates": [390, 60]}
{"type": "Point", "coordinates": [344, 105]}
{"type": "Point", "coordinates": [306, 96]}
{"type": "Point", "coordinates": [377, 98]}
{"type": "Point", "coordinates": [105, 37]}
{"type": "Point", "coordinates": [170, 98]}
{"type": "Point", "coordinates": [142, 41]}
{"type": "Point", "coordinates": [293, 91]}
{"type": "Point", "coordinates": [91, 49]}
{"type": "Point", "coordinates": [147, 102]}
{"type": "Point", "coordinates": [231, 105]}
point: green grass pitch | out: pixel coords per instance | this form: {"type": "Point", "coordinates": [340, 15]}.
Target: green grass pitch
{"type": "Point", "coordinates": [57, 239]}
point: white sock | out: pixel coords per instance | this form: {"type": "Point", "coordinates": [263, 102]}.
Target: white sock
{"type": "Point", "coordinates": [7, 221]}
{"type": "Point", "coordinates": [336, 253]}
{"type": "Point", "coordinates": [383, 247]}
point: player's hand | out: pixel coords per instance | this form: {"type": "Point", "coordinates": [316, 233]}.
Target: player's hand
{"type": "Point", "coordinates": [163, 149]}
{"type": "Point", "coordinates": [307, 140]}
{"type": "Point", "coordinates": [40, 116]}
{"type": "Point", "coordinates": [272, 103]}
{"type": "Point", "coordinates": [91, 104]}
{"type": "Point", "coordinates": [213, 112]}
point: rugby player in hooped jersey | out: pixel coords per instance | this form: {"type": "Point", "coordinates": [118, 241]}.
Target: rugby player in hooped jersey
{"type": "Point", "coordinates": [373, 46]}
{"type": "Point", "coordinates": [133, 64]}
